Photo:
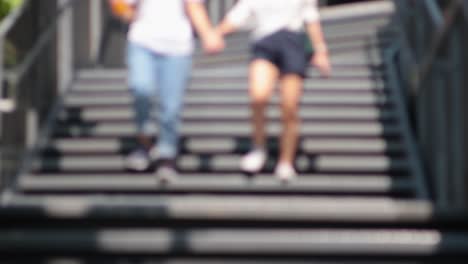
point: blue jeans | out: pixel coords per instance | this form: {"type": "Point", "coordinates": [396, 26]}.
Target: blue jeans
{"type": "Point", "coordinates": [158, 76]}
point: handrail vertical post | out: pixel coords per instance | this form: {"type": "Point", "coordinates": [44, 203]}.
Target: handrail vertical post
{"type": "Point", "coordinates": [24, 88]}
{"type": "Point", "coordinates": [433, 36]}
{"type": "Point", "coordinates": [456, 117]}
{"type": "Point", "coordinates": [2, 176]}
{"type": "Point", "coordinates": [95, 28]}
{"type": "Point", "coordinates": [65, 45]}
{"type": "Point", "coordinates": [2, 95]}
{"type": "Point", "coordinates": [439, 140]}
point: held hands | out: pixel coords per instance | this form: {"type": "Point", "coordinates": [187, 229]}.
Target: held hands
{"type": "Point", "coordinates": [213, 42]}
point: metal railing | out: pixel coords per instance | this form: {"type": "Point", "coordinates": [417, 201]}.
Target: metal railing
{"type": "Point", "coordinates": [31, 85]}
{"type": "Point", "coordinates": [6, 97]}
{"type": "Point", "coordinates": [432, 62]}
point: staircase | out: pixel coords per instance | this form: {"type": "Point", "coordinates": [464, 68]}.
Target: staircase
{"type": "Point", "coordinates": [351, 133]}
{"type": "Point", "coordinates": [358, 199]}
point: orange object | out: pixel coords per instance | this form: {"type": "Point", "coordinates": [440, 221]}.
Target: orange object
{"type": "Point", "coordinates": [122, 9]}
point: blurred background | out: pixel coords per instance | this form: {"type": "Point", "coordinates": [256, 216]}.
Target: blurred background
{"type": "Point", "coordinates": [382, 157]}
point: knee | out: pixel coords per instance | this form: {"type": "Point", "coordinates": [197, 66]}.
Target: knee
{"type": "Point", "coordinates": [290, 114]}
{"type": "Point", "coordinates": [259, 100]}
{"type": "Point", "coordinates": [141, 87]}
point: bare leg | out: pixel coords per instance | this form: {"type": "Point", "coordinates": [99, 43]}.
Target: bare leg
{"type": "Point", "coordinates": [291, 91]}
{"type": "Point", "coordinates": [262, 78]}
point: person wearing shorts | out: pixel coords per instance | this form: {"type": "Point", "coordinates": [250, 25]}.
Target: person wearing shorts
{"type": "Point", "coordinates": [278, 54]}
{"type": "Point", "coordinates": [159, 61]}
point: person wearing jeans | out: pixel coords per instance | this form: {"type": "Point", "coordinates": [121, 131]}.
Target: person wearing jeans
{"type": "Point", "coordinates": [278, 54]}
{"type": "Point", "coordinates": [153, 75]}
{"type": "Point", "coordinates": [159, 61]}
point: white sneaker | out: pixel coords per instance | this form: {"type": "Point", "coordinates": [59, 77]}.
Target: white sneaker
{"type": "Point", "coordinates": [137, 160]}
{"type": "Point", "coordinates": [285, 172]}
{"type": "Point", "coordinates": [166, 172]}
{"type": "Point", "coordinates": [254, 161]}
{"type": "Point", "coordinates": [153, 153]}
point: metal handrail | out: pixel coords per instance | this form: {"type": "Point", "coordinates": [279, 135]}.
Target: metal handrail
{"type": "Point", "coordinates": [465, 10]}
{"type": "Point", "coordinates": [434, 13]}
{"type": "Point", "coordinates": [442, 22]}
{"type": "Point", "coordinates": [9, 21]}
{"type": "Point", "coordinates": [438, 39]}
{"type": "Point", "coordinates": [429, 60]}
{"type": "Point", "coordinates": [420, 181]}
{"type": "Point", "coordinates": [15, 78]}
{"type": "Point", "coordinates": [5, 27]}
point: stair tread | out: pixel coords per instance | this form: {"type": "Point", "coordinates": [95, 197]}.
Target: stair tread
{"type": "Point", "coordinates": [235, 71]}
{"type": "Point", "coordinates": [355, 196]}
{"type": "Point", "coordinates": [312, 87]}
{"type": "Point", "coordinates": [218, 145]}
{"type": "Point", "coordinates": [274, 242]}
{"type": "Point", "coordinates": [219, 183]}
{"type": "Point", "coordinates": [226, 114]}
{"type": "Point", "coordinates": [235, 95]}
{"type": "Point", "coordinates": [232, 208]}
{"type": "Point", "coordinates": [229, 162]}
{"type": "Point", "coordinates": [218, 129]}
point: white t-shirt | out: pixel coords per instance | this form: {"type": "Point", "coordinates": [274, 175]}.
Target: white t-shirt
{"type": "Point", "coordinates": [269, 16]}
{"type": "Point", "coordinates": [162, 26]}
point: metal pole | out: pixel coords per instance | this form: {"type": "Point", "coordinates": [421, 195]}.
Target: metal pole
{"type": "Point", "coordinates": [439, 138]}
{"type": "Point", "coordinates": [65, 47]}
{"type": "Point", "coordinates": [456, 116]}
{"type": "Point", "coordinates": [1, 116]}
{"type": "Point", "coordinates": [95, 28]}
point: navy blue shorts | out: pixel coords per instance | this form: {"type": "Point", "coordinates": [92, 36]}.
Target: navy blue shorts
{"type": "Point", "coordinates": [285, 49]}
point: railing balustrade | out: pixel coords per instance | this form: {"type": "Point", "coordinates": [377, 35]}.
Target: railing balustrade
{"type": "Point", "coordinates": [33, 82]}
{"type": "Point", "coordinates": [432, 62]}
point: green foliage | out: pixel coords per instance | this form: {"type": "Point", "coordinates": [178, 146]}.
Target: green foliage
{"type": "Point", "coordinates": [9, 50]}
{"type": "Point", "coordinates": [7, 5]}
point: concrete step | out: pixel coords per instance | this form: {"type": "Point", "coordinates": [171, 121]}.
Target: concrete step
{"type": "Point", "coordinates": [240, 84]}
{"type": "Point", "coordinates": [236, 241]}
{"type": "Point", "coordinates": [125, 99]}
{"type": "Point", "coordinates": [229, 163]}
{"type": "Point", "coordinates": [375, 78]}
{"type": "Point", "coordinates": [227, 145]}
{"type": "Point", "coordinates": [250, 209]}
{"type": "Point", "coordinates": [364, 11]}
{"type": "Point", "coordinates": [232, 71]}
{"type": "Point", "coordinates": [97, 114]}
{"type": "Point", "coordinates": [220, 183]}
{"type": "Point", "coordinates": [108, 129]}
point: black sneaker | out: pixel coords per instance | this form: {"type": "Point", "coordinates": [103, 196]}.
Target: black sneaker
{"type": "Point", "coordinates": [166, 171]}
